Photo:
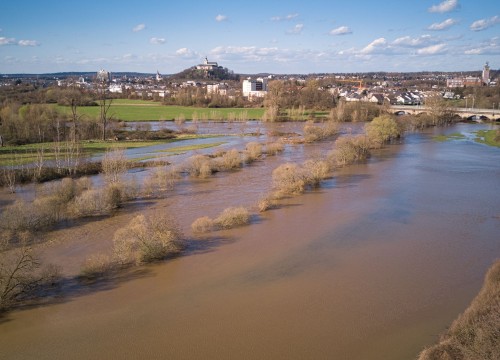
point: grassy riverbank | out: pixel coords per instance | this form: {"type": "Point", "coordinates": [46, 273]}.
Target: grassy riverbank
{"type": "Point", "coordinates": [140, 110]}
{"type": "Point", "coordinates": [488, 137]}
{"type": "Point", "coordinates": [30, 153]}
{"type": "Point", "coordinates": [475, 333]}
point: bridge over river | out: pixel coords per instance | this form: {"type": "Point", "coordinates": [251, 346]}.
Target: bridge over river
{"type": "Point", "coordinates": [466, 113]}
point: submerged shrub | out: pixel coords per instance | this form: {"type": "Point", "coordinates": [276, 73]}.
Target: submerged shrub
{"type": "Point", "coordinates": [350, 149]}
{"type": "Point", "coordinates": [383, 129]}
{"type": "Point", "coordinates": [114, 164]}
{"type": "Point", "coordinates": [95, 202]}
{"type": "Point", "coordinates": [253, 151]}
{"type": "Point", "coordinates": [23, 215]}
{"type": "Point", "coordinates": [314, 132]}
{"type": "Point", "coordinates": [230, 160]}
{"type": "Point", "coordinates": [159, 181]}
{"type": "Point", "coordinates": [200, 166]}
{"type": "Point", "coordinates": [203, 224]}
{"type": "Point", "coordinates": [232, 217]}
{"type": "Point", "coordinates": [314, 171]}
{"type": "Point", "coordinates": [274, 148]}
{"type": "Point", "coordinates": [147, 239]}
{"type": "Point", "coordinates": [288, 179]}
{"type": "Point", "coordinates": [96, 266]}
{"type": "Point", "coordinates": [266, 203]}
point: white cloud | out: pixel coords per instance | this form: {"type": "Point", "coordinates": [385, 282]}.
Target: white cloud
{"type": "Point", "coordinates": [342, 30]}
{"type": "Point", "coordinates": [157, 41]}
{"type": "Point", "coordinates": [485, 23]}
{"type": "Point", "coordinates": [139, 27]}
{"type": "Point", "coordinates": [407, 41]}
{"type": "Point", "coordinates": [297, 29]}
{"type": "Point", "coordinates": [374, 46]}
{"type": "Point", "coordinates": [442, 25]}
{"type": "Point", "coordinates": [432, 50]}
{"type": "Point", "coordinates": [186, 53]}
{"type": "Point", "coordinates": [445, 6]}
{"type": "Point", "coordinates": [7, 41]}
{"type": "Point", "coordinates": [28, 43]}
{"type": "Point", "coordinates": [490, 47]}
{"type": "Point", "coordinates": [287, 17]}
{"type": "Point", "coordinates": [220, 18]}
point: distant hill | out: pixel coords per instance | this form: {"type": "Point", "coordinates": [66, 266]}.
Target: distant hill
{"type": "Point", "coordinates": [216, 74]}
{"type": "Point", "coordinates": [63, 75]}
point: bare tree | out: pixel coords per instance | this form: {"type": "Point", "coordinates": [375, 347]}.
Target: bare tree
{"type": "Point", "coordinates": [104, 105]}
{"type": "Point", "coordinates": [21, 274]}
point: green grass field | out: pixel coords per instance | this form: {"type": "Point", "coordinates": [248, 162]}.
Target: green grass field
{"type": "Point", "coordinates": [141, 110]}
{"type": "Point", "coordinates": [488, 137]}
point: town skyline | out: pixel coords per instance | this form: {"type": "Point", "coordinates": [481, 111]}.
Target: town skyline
{"type": "Point", "coordinates": [280, 37]}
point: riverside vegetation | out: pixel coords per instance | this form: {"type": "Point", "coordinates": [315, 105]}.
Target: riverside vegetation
{"type": "Point", "coordinates": [72, 199]}
{"type": "Point", "coordinates": [475, 333]}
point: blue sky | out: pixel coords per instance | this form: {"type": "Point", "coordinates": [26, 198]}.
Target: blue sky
{"type": "Point", "coordinates": [288, 36]}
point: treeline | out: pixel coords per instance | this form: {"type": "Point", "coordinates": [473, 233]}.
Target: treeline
{"type": "Point", "coordinates": [198, 97]}
{"type": "Point", "coordinates": [214, 74]}
{"type": "Point", "coordinates": [37, 123]}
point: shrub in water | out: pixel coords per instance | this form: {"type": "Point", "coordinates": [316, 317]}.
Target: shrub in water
{"type": "Point", "coordinates": [350, 149]}
{"type": "Point", "coordinates": [383, 129]}
{"type": "Point", "coordinates": [274, 148]}
{"type": "Point", "coordinates": [314, 171]}
{"type": "Point", "coordinates": [253, 150]}
{"type": "Point", "coordinates": [147, 239]}
{"type": "Point", "coordinates": [200, 166]}
{"type": "Point", "coordinates": [96, 266]}
{"type": "Point", "coordinates": [288, 179]}
{"type": "Point", "coordinates": [233, 217]}
{"type": "Point", "coordinates": [203, 224]}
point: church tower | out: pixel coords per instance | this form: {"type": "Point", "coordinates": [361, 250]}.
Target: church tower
{"type": "Point", "coordinates": [486, 74]}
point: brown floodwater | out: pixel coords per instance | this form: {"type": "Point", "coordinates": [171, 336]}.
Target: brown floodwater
{"type": "Point", "coordinates": [373, 265]}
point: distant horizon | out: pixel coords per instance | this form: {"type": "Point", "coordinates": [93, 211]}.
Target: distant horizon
{"type": "Point", "coordinates": [292, 37]}
{"type": "Point", "coordinates": [257, 73]}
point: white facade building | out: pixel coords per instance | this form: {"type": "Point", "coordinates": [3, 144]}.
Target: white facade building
{"type": "Point", "coordinates": [486, 74]}
{"type": "Point", "coordinates": [254, 88]}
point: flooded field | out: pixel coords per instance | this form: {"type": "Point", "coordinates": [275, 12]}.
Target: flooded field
{"type": "Point", "coordinates": [375, 264]}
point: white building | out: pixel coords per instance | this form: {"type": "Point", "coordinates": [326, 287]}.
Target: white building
{"type": "Point", "coordinates": [207, 65]}
{"type": "Point", "coordinates": [486, 74]}
{"type": "Point", "coordinates": [255, 88]}
{"type": "Point", "coordinates": [103, 76]}
{"type": "Point", "coordinates": [220, 89]}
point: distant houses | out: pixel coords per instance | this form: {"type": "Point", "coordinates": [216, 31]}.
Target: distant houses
{"type": "Point", "coordinates": [459, 82]}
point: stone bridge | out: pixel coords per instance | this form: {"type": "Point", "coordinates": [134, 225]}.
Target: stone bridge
{"type": "Point", "coordinates": [464, 113]}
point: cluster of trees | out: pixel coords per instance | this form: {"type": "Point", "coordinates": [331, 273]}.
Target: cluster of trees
{"type": "Point", "coordinates": [196, 96]}
{"type": "Point", "coordinates": [219, 74]}
{"type": "Point", "coordinates": [291, 94]}
{"type": "Point", "coordinates": [485, 97]}
{"type": "Point", "coordinates": [37, 123]}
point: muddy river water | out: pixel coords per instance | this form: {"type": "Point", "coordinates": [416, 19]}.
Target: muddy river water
{"type": "Point", "coordinates": [373, 265]}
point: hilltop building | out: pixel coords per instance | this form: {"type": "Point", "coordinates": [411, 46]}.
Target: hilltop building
{"type": "Point", "coordinates": [158, 76]}
{"type": "Point", "coordinates": [254, 88]}
{"type": "Point", "coordinates": [207, 65]}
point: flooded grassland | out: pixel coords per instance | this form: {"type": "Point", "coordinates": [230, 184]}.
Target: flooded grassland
{"type": "Point", "coordinates": [374, 264]}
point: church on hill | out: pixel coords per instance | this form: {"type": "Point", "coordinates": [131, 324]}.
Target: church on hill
{"type": "Point", "coordinates": [208, 65]}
